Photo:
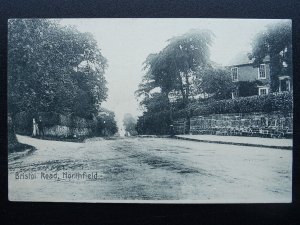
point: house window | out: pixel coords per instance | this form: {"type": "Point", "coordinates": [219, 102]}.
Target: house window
{"type": "Point", "coordinates": [284, 85]}
{"type": "Point", "coordinates": [234, 73]}
{"type": "Point", "coordinates": [235, 94]}
{"type": "Point", "coordinates": [262, 71]}
{"type": "Point", "coordinates": [263, 91]}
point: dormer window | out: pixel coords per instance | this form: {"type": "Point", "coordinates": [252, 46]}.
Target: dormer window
{"type": "Point", "coordinates": [234, 73]}
{"type": "Point", "coordinates": [262, 71]}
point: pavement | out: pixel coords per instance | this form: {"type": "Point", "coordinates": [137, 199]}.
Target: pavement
{"type": "Point", "coordinates": [238, 140]}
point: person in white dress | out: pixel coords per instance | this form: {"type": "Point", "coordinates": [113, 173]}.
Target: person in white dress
{"type": "Point", "coordinates": [35, 130]}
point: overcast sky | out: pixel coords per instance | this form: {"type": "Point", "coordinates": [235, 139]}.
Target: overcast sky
{"type": "Point", "coordinates": [127, 42]}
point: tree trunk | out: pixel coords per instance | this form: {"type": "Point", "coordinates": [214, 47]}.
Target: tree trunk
{"type": "Point", "coordinates": [12, 138]}
{"type": "Point", "coordinates": [186, 104]}
{"type": "Point", "coordinates": [275, 70]}
{"type": "Point", "coordinates": [171, 124]}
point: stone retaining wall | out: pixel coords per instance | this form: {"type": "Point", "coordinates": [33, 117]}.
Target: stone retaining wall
{"type": "Point", "coordinates": [55, 124]}
{"type": "Point", "coordinates": [237, 121]}
{"type": "Point", "coordinates": [64, 131]}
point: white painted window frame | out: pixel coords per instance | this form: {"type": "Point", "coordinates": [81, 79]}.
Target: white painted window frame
{"type": "Point", "coordinates": [263, 88]}
{"type": "Point", "coordinates": [237, 74]}
{"type": "Point", "coordinates": [265, 72]}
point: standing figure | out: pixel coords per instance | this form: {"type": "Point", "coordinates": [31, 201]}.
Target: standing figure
{"type": "Point", "coordinates": [35, 129]}
{"type": "Point", "coordinates": [41, 126]}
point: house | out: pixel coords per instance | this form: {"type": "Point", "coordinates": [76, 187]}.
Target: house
{"type": "Point", "coordinates": [242, 70]}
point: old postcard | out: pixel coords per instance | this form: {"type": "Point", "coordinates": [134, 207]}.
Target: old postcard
{"type": "Point", "coordinates": [150, 110]}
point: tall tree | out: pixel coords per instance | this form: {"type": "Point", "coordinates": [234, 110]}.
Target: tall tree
{"type": "Point", "coordinates": [51, 68]}
{"type": "Point", "coordinates": [174, 68]}
{"type": "Point", "coordinates": [276, 42]}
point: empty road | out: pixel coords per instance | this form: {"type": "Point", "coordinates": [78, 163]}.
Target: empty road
{"type": "Point", "coordinates": [152, 169]}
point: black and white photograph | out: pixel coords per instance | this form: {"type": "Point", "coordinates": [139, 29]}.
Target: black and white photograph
{"type": "Point", "coordinates": [150, 110]}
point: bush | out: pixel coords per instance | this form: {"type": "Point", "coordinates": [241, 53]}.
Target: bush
{"type": "Point", "coordinates": [23, 123]}
{"type": "Point", "coordinates": [78, 122]}
{"type": "Point", "coordinates": [64, 121]}
{"type": "Point", "coordinates": [12, 139]}
{"type": "Point", "coordinates": [106, 125]}
{"type": "Point", "coordinates": [154, 123]}
{"type": "Point", "coordinates": [248, 88]}
{"type": "Point", "coordinates": [180, 114]}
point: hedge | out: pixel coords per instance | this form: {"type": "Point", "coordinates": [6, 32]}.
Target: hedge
{"type": "Point", "coordinates": [260, 103]}
{"type": "Point", "coordinates": [159, 122]}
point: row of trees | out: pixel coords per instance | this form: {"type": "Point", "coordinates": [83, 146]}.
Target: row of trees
{"type": "Point", "coordinates": [54, 68]}
{"type": "Point", "coordinates": [182, 74]}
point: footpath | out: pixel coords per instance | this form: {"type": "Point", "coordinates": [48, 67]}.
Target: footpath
{"type": "Point", "coordinates": [238, 140]}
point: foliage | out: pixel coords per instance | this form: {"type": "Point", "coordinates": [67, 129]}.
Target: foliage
{"type": "Point", "coordinates": [174, 70]}
{"type": "Point", "coordinates": [174, 67]}
{"type": "Point", "coordinates": [23, 121]}
{"type": "Point", "coordinates": [182, 71]}
{"type": "Point", "coordinates": [260, 103]}
{"type": "Point", "coordinates": [11, 136]}
{"type": "Point", "coordinates": [106, 123]}
{"type": "Point", "coordinates": [156, 102]}
{"type": "Point", "coordinates": [276, 42]}
{"type": "Point", "coordinates": [156, 118]}
{"type": "Point", "coordinates": [248, 88]}
{"type": "Point", "coordinates": [216, 82]}
{"type": "Point", "coordinates": [154, 123]}
{"type": "Point", "coordinates": [53, 69]}
{"type": "Point", "coordinates": [129, 123]}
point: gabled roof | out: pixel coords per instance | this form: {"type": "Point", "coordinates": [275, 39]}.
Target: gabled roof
{"type": "Point", "coordinates": [240, 59]}
{"type": "Point", "coordinates": [243, 59]}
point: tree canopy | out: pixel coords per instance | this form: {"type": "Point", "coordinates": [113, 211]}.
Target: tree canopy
{"type": "Point", "coordinates": [53, 68]}
{"type": "Point", "coordinates": [106, 123]}
{"type": "Point", "coordinates": [129, 123]}
{"type": "Point", "coordinates": [173, 71]}
{"type": "Point", "coordinates": [216, 82]}
{"type": "Point", "coordinates": [174, 68]}
{"type": "Point", "coordinates": [276, 42]}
